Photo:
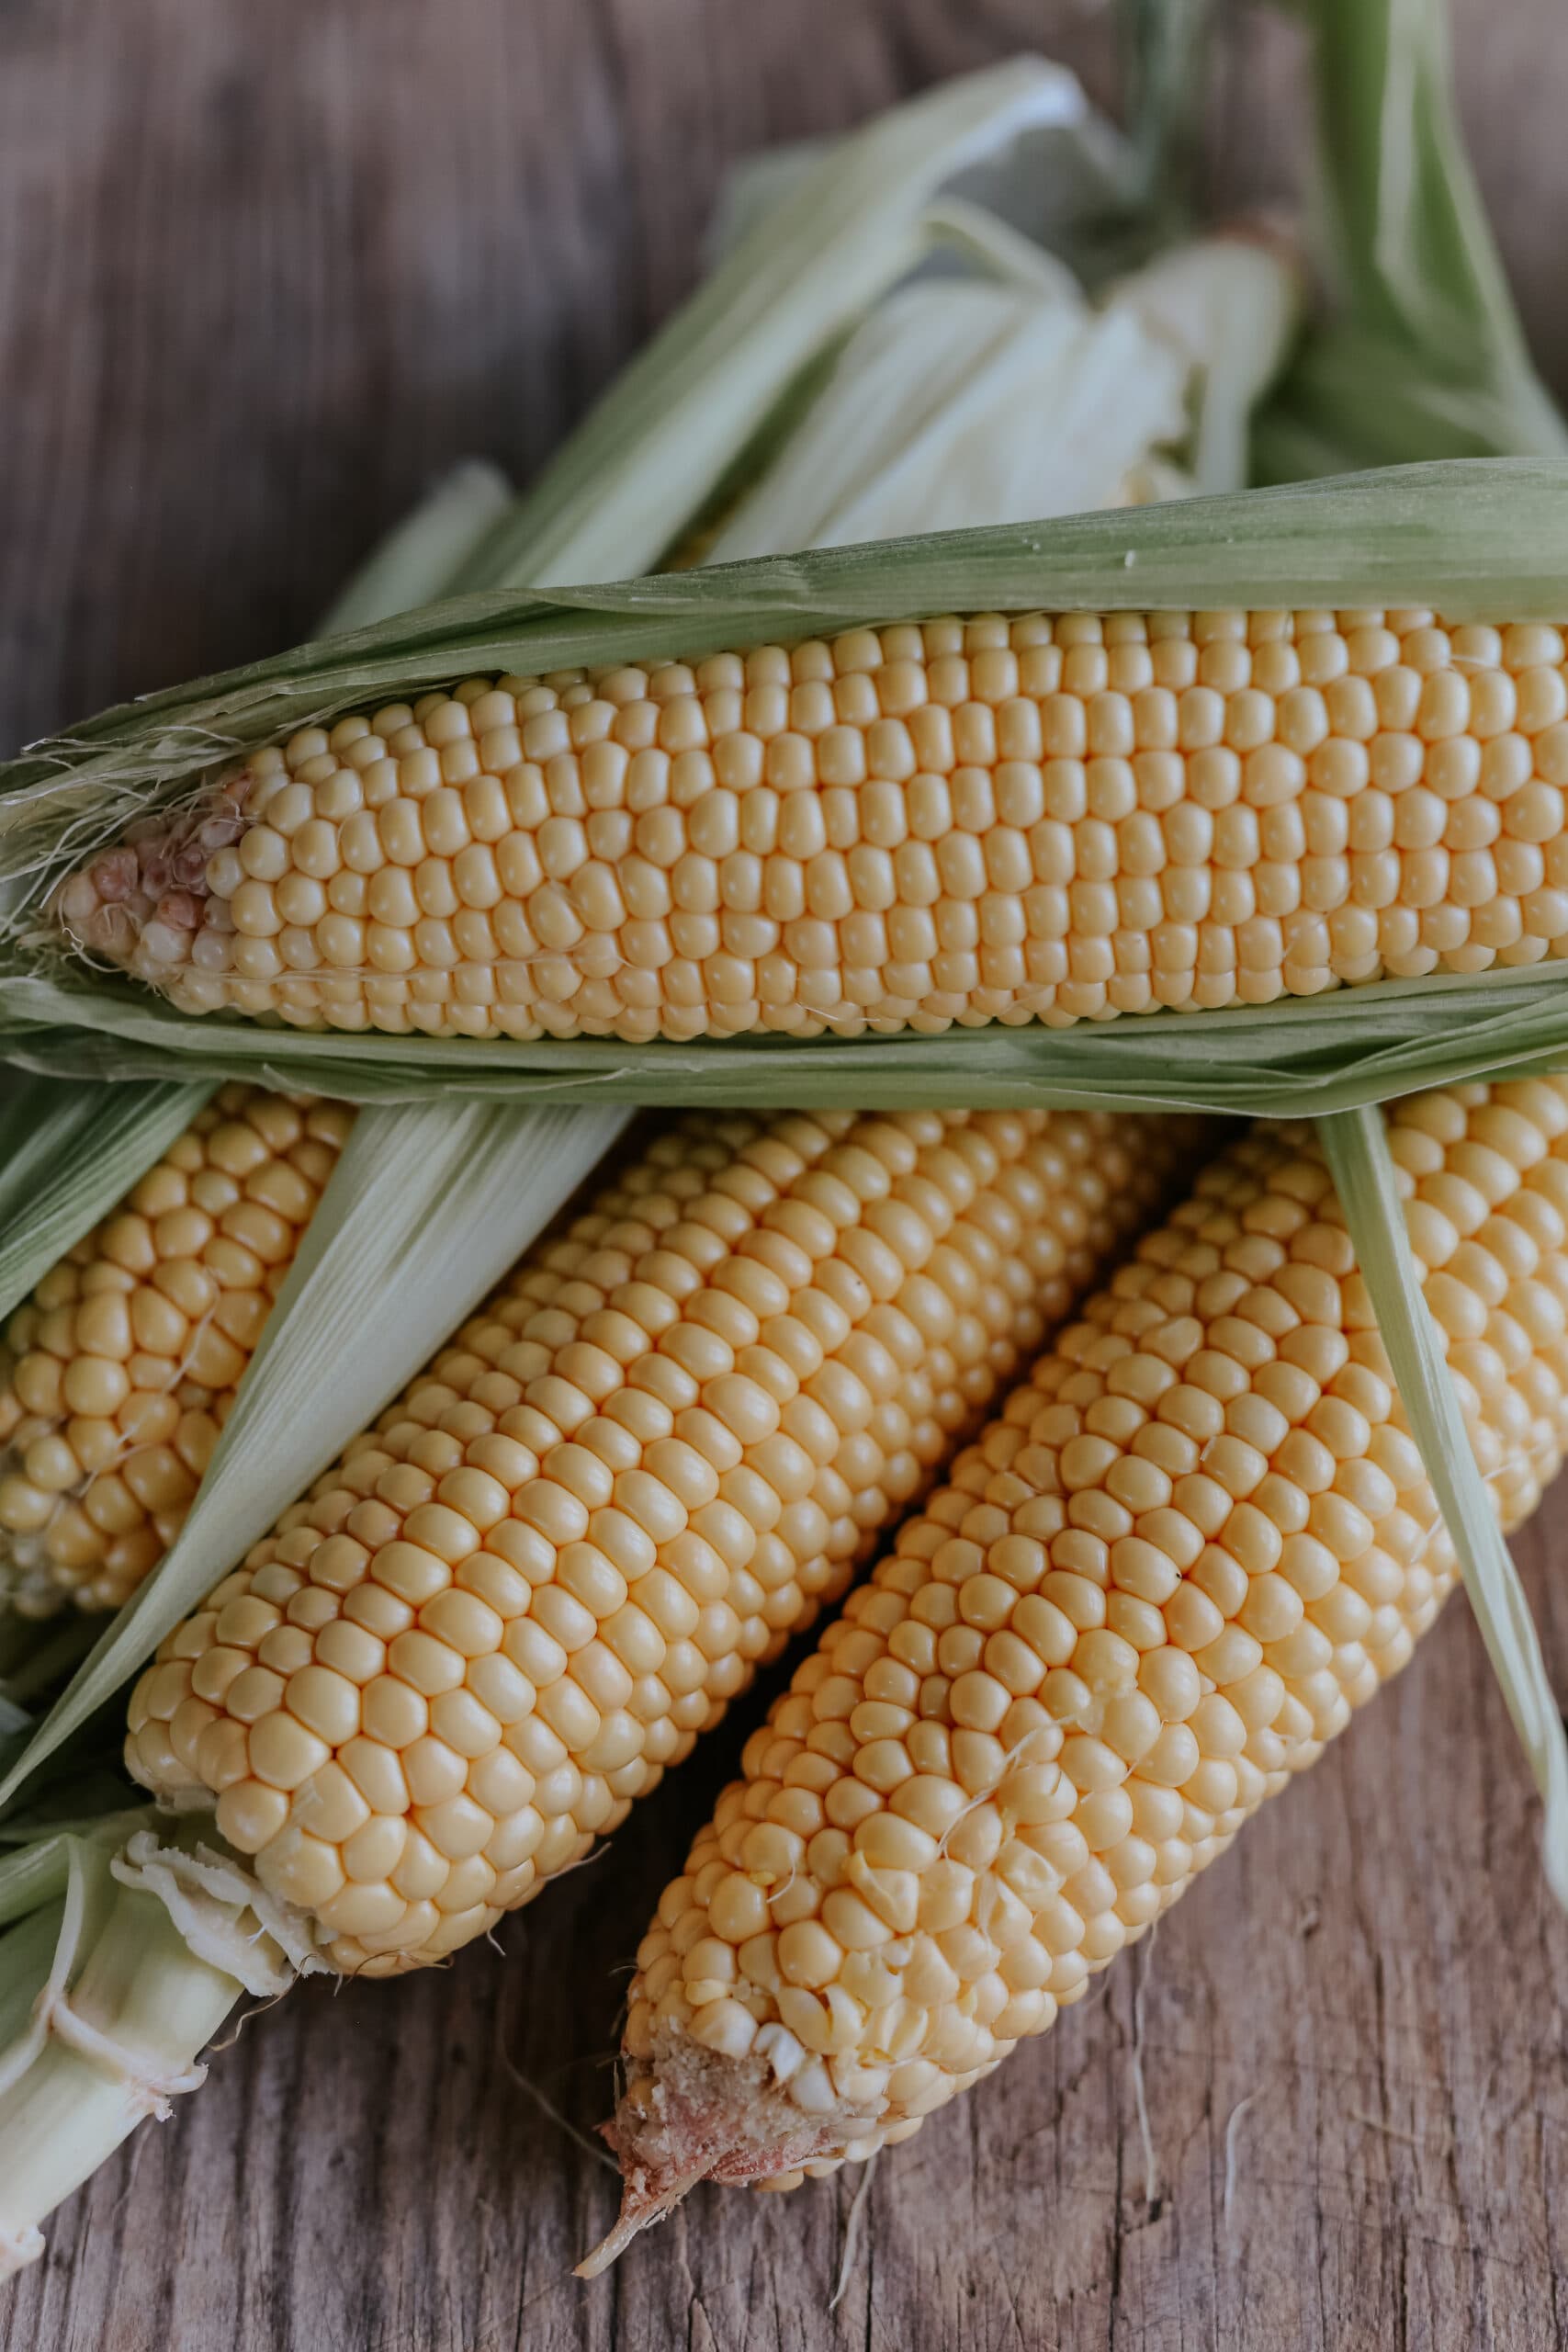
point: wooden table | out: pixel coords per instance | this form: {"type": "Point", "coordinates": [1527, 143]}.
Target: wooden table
{"type": "Point", "coordinates": [265, 270]}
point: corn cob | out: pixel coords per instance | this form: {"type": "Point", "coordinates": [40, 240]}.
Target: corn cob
{"type": "Point", "coordinates": [1191, 1544]}
{"type": "Point", "coordinates": [1052, 818]}
{"type": "Point", "coordinates": [119, 1373]}
{"type": "Point", "coordinates": [647, 1461]}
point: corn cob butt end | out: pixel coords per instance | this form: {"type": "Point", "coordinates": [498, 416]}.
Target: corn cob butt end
{"type": "Point", "coordinates": [689, 2113]}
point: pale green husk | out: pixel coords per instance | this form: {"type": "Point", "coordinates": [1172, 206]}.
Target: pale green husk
{"type": "Point", "coordinates": [105, 2003]}
{"type": "Point", "coordinates": [1356, 1143]}
{"type": "Point", "coordinates": [1420, 354]}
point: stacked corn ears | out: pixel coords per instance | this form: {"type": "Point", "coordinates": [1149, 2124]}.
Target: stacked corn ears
{"type": "Point", "coordinates": [1004, 858]}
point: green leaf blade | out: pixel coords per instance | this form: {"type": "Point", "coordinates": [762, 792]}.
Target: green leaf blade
{"type": "Point", "coordinates": [1356, 1143]}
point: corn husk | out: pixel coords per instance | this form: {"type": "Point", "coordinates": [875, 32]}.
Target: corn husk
{"type": "Point", "coordinates": [1419, 353]}
{"type": "Point", "coordinates": [1010, 399]}
{"type": "Point", "coordinates": [1356, 1143]}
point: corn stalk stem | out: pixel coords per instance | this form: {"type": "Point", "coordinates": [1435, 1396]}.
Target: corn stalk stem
{"type": "Point", "coordinates": [140, 2012]}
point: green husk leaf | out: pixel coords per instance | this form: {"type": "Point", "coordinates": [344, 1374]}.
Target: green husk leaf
{"type": "Point", "coordinates": [427, 1207]}
{"type": "Point", "coordinates": [1422, 355]}
{"type": "Point", "coordinates": [1356, 1143]}
{"type": "Point", "coordinates": [1296, 1058]}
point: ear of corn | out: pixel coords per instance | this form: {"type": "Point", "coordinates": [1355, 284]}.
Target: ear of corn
{"type": "Point", "coordinates": [963, 821]}
{"type": "Point", "coordinates": [117, 1375]}
{"type": "Point", "coordinates": [661, 1448]}
{"type": "Point", "coordinates": [1191, 1544]}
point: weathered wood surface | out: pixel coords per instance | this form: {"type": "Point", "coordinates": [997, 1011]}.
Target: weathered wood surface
{"type": "Point", "coordinates": [264, 270]}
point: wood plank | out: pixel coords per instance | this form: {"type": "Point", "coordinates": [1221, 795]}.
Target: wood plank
{"type": "Point", "coordinates": [267, 271]}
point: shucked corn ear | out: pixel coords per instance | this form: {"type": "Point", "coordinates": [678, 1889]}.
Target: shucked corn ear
{"type": "Point", "coordinates": [1188, 1545]}
{"type": "Point", "coordinates": [968, 821]}
{"type": "Point", "coordinates": [117, 1375]}
{"type": "Point", "coordinates": [648, 1460]}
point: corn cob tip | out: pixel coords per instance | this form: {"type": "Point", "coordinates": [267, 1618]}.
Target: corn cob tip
{"type": "Point", "coordinates": [690, 2114]}
{"type": "Point", "coordinates": [143, 902]}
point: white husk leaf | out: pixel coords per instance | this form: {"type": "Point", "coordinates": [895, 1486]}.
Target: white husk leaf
{"type": "Point", "coordinates": [965, 399]}
{"type": "Point", "coordinates": [224, 1914]}
{"type": "Point", "coordinates": [960, 402]}
{"type": "Point", "coordinates": [1228, 305]}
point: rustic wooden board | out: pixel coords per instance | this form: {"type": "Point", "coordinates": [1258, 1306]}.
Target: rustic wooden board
{"type": "Point", "coordinates": [265, 270]}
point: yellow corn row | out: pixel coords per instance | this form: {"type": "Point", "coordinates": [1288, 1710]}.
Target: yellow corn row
{"type": "Point", "coordinates": [659, 1449]}
{"type": "Point", "coordinates": [1052, 818]}
{"type": "Point", "coordinates": [119, 1373]}
{"type": "Point", "coordinates": [1191, 1543]}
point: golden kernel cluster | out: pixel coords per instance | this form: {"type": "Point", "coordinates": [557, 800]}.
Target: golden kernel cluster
{"type": "Point", "coordinates": [653, 1456]}
{"type": "Point", "coordinates": [119, 1373]}
{"type": "Point", "coordinates": [1183, 1552]}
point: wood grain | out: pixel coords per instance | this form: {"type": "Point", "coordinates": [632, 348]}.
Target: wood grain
{"type": "Point", "coordinates": [265, 270]}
